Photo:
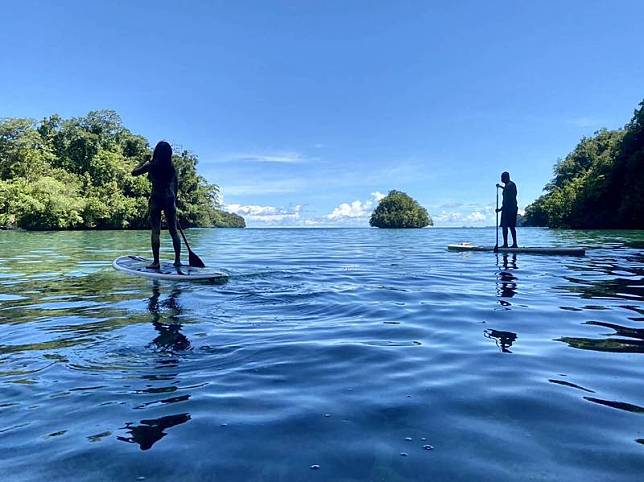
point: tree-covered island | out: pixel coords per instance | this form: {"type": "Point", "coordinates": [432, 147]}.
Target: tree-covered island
{"type": "Point", "coordinates": [75, 174]}
{"type": "Point", "coordinates": [600, 184]}
{"type": "Point", "coordinates": [398, 210]}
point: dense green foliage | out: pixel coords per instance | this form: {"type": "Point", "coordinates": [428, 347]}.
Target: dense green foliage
{"type": "Point", "coordinates": [75, 174]}
{"type": "Point", "coordinates": [225, 219]}
{"type": "Point", "coordinates": [398, 210]}
{"type": "Point", "coordinates": [598, 185]}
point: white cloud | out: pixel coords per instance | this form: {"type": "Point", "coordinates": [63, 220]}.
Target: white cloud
{"type": "Point", "coordinates": [447, 218]}
{"type": "Point", "coordinates": [312, 222]}
{"type": "Point", "coordinates": [476, 217]}
{"type": "Point", "coordinates": [356, 209]}
{"type": "Point", "coordinates": [452, 205]}
{"type": "Point", "coordinates": [280, 158]}
{"type": "Point", "coordinates": [480, 216]}
{"type": "Point", "coordinates": [265, 214]}
{"type": "Point", "coordinates": [270, 187]}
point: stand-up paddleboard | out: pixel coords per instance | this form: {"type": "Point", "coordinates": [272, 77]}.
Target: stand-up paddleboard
{"type": "Point", "coordinates": [528, 250]}
{"type": "Point", "coordinates": [136, 265]}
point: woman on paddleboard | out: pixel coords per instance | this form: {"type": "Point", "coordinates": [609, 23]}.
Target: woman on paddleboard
{"type": "Point", "coordinates": [163, 176]}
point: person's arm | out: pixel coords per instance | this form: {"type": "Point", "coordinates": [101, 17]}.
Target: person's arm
{"type": "Point", "coordinates": [502, 189]}
{"type": "Point", "coordinates": [143, 167]}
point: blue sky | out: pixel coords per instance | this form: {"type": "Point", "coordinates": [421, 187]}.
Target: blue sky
{"type": "Point", "coordinates": [305, 112]}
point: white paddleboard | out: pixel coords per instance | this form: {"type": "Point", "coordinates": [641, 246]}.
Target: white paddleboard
{"type": "Point", "coordinates": [574, 251]}
{"type": "Point", "coordinates": [136, 265]}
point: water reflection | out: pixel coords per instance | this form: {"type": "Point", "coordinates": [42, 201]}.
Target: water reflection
{"type": "Point", "coordinates": [503, 339]}
{"type": "Point", "coordinates": [151, 431]}
{"type": "Point", "coordinates": [608, 277]}
{"type": "Point", "coordinates": [628, 407]}
{"type": "Point", "coordinates": [287, 341]}
{"type": "Point", "coordinates": [170, 337]}
{"type": "Point", "coordinates": [632, 341]}
{"type": "Point", "coordinates": [169, 342]}
{"type": "Point", "coordinates": [506, 280]}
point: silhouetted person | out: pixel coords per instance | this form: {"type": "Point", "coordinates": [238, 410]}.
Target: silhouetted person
{"type": "Point", "coordinates": [508, 209]}
{"type": "Point", "coordinates": [163, 176]}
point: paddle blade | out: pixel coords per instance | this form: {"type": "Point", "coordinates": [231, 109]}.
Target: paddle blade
{"type": "Point", "coordinates": [194, 260]}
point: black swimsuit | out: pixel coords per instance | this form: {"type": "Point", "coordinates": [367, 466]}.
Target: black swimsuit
{"type": "Point", "coordinates": [164, 189]}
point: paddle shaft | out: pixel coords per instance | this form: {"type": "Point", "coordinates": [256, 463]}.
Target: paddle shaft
{"type": "Point", "coordinates": [193, 259]}
{"type": "Point", "coordinates": [496, 246]}
{"type": "Point", "coordinates": [183, 236]}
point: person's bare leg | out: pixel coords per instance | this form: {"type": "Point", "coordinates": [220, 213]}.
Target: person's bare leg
{"type": "Point", "coordinates": [155, 235]}
{"type": "Point", "coordinates": [513, 231]}
{"type": "Point", "coordinates": [171, 218]}
{"type": "Point", "coordinates": [505, 237]}
{"type": "Point", "coordinates": [155, 240]}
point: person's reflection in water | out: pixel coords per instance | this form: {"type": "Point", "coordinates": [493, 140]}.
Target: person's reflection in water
{"type": "Point", "coordinates": [506, 288]}
{"type": "Point", "coordinates": [506, 281]}
{"type": "Point", "coordinates": [169, 341]}
{"type": "Point", "coordinates": [170, 337]}
{"type": "Point", "coordinates": [151, 431]}
{"type": "Point", "coordinates": [503, 339]}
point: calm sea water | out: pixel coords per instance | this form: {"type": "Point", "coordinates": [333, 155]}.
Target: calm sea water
{"type": "Point", "coordinates": [337, 354]}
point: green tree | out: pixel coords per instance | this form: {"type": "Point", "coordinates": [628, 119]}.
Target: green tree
{"type": "Point", "coordinates": [75, 174]}
{"type": "Point", "coordinates": [46, 203]}
{"type": "Point", "coordinates": [398, 210]}
{"type": "Point", "coordinates": [23, 152]}
{"type": "Point", "coordinates": [631, 162]}
{"type": "Point", "coordinates": [228, 220]}
{"type": "Point", "coordinates": [599, 184]}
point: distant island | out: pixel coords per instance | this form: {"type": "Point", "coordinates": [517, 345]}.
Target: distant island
{"type": "Point", "coordinates": [398, 210]}
{"type": "Point", "coordinates": [75, 174]}
{"type": "Point", "coordinates": [599, 185]}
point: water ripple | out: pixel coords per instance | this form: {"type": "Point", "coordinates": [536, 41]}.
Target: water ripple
{"type": "Point", "coordinates": [330, 354]}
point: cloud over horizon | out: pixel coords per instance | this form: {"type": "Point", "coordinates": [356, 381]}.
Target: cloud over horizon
{"type": "Point", "coordinates": [356, 214]}
{"type": "Point", "coordinates": [270, 215]}
{"type": "Point", "coordinates": [356, 209]}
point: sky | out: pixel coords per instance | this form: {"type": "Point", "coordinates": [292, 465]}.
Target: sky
{"type": "Point", "coordinates": [306, 113]}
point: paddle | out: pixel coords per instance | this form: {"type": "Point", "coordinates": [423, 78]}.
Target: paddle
{"type": "Point", "coordinates": [193, 259]}
{"type": "Point", "coordinates": [496, 246]}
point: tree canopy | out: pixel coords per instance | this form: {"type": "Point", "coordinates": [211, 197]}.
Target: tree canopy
{"type": "Point", "coordinates": [599, 184]}
{"type": "Point", "coordinates": [75, 174]}
{"type": "Point", "coordinates": [398, 210]}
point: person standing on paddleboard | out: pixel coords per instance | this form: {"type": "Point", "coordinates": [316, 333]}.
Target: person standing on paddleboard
{"type": "Point", "coordinates": [163, 176]}
{"type": "Point", "coordinates": [508, 209]}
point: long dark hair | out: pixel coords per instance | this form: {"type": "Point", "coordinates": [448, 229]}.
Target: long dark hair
{"type": "Point", "coordinates": [162, 167]}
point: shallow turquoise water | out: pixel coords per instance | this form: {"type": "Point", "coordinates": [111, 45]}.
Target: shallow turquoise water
{"type": "Point", "coordinates": [373, 354]}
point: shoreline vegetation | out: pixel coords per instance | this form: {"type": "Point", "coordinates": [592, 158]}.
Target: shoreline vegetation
{"type": "Point", "coordinates": [74, 174]}
{"type": "Point", "coordinates": [599, 185]}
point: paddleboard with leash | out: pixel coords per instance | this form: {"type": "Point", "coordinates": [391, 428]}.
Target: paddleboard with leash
{"type": "Point", "coordinates": [555, 251]}
{"type": "Point", "coordinates": [136, 266]}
